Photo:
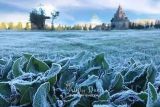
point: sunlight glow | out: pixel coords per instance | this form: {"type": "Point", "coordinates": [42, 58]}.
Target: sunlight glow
{"type": "Point", "coordinates": [48, 8]}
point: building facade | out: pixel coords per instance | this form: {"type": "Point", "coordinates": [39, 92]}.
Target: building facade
{"type": "Point", "coordinates": [120, 21]}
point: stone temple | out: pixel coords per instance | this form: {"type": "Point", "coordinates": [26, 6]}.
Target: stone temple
{"type": "Point", "coordinates": [120, 21]}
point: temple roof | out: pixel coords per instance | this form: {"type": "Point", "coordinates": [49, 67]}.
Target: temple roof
{"type": "Point", "coordinates": [119, 15]}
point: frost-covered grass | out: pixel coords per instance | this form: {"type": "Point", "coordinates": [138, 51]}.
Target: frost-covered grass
{"type": "Point", "coordinates": [115, 69]}
{"type": "Point", "coordinates": [117, 45]}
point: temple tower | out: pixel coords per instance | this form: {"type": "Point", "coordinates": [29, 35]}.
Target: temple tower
{"type": "Point", "coordinates": [120, 21]}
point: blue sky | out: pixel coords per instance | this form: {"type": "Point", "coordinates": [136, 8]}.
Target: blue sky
{"type": "Point", "coordinates": [80, 11]}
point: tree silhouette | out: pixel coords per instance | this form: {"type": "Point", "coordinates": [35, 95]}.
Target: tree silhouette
{"type": "Point", "coordinates": [10, 26]}
{"type": "Point", "coordinates": [19, 26]}
{"type": "Point", "coordinates": [27, 27]}
{"type": "Point", "coordinates": [37, 18]}
{"type": "Point", "coordinates": [3, 26]}
{"type": "Point", "coordinates": [157, 24]}
{"type": "Point", "coordinates": [85, 27]}
{"type": "Point", "coordinates": [90, 27]}
{"type": "Point", "coordinates": [54, 16]}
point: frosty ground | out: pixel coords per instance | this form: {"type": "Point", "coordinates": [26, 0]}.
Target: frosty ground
{"type": "Point", "coordinates": [118, 46]}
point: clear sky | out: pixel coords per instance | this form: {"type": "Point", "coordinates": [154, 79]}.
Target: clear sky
{"type": "Point", "coordinates": [80, 11]}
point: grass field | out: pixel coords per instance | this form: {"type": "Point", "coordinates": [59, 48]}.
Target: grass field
{"type": "Point", "coordinates": [124, 71]}
{"type": "Point", "coordinates": [117, 45]}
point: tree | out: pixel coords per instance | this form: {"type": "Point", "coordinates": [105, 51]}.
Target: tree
{"type": "Point", "coordinates": [132, 25]}
{"type": "Point", "coordinates": [19, 26]}
{"type": "Point", "coordinates": [90, 27]}
{"type": "Point", "coordinates": [60, 28]}
{"type": "Point", "coordinates": [37, 18]}
{"type": "Point", "coordinates": [10, 26]}
{"type": "Point", "coordinates": [157, 24]}
{"type": "Point", "coordinates": [152, 25]}
{"type": "Point", "coordinates": [85, 27]}
{"type": "Point", "coordinates": [54, 16]}
{"type": "Point", "coordinates": [68, 28]}
{"type": "Point", "coordinates": [27, 27]}
{"type": "Point", "coordinates": [147, 25]}
{"type": "Point", "coordinates": [103, 26]}
{"type": "Point", "coordinates": [77, 27]}
{"type": "Point", "coordinates": [140, 26]}
{"type": "Point", "coordinates": [3, 26]}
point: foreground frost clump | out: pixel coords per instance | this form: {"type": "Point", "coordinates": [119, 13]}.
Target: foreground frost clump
{"type": "Point", "coordinates": [83, 80]}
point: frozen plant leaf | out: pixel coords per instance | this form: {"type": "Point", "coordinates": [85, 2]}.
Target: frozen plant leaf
{"type": "Point", "coordinates": [152, 95]}
{"type": "Point", "coordinates": [10, 75]}
{"type": "Point", "coordinates": [99, 60]}
{"type": "Point", "coordinates": [92, 79]}
{"type": "Point", "coordinates": [77, 58]}
{"type": "Point", "coordinates": [51, 75]}
{"type": "Point", "coordinates": [2, 62]}
{"type": "Point", "coordinates": [104, 96]}
{"type": "Point", "coordinates": [27, 56]}
{"type": "Point", "coordinates": [40, 98]}
{"type": "Point", "coordinates": [73, 102]}
{"type": "Point", "coordinates": [65, 63]}
{"type": "Point", "coordinates": [86, 101]}
{"type": "Point", "coordinates": [66, 79]}
{"type": "Point", "coordinates": [128, 97]}
{"type": "Point", "coordinates": [107, 78]}
{"type": "Point", "coordinates": [101, 104]}
{"type": "Point", "coordinates": [99, 86]}
{"type": "Point", "coordinates": [3, 102]}
{"type": "Point", "coordinates": [49, 62]}
{"type": "Point", "coordinates": [151, 73]}
{"type": "Point", "coordinates": [16, 69]}
{"type": "Point", "coordinates": [157, 102]}
{"type": "Point", "coordinates": [36, 65]}
{"type": "Point", "coordinates": [143, 96]}
{"type": "Point", "coordinates": [109, 105]}
{"type": "Point", "coordinates": [55, 69]}
{"type": "Point", "coordinates": [90, 71]}
{"type": "Point", "coordinates": [26, 98]}
{"type": "Point", "coordinates": [5, 89]}
{"type": "Point", "coordinates": [138, 84]}
{"type": "Point", "coordinates": [7, 68]}
{"type": "Point", "coordinates": [25, 91]}
{"type": "Point", "coordinates": [117, 83]}
{"type": "Point", "coordinates": [133, 72]}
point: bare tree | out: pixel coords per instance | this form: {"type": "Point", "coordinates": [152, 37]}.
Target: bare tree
{"type": "Point", "coordinates": [54, 14]}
